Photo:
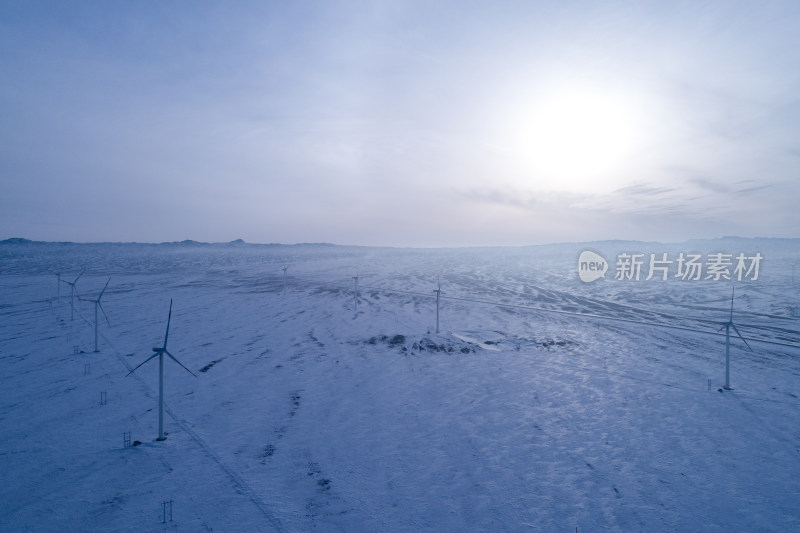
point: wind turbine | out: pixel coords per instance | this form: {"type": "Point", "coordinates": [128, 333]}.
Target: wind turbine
{"type": "Point", "coordinates": [96, 305]}
{"type": "Point", "coordinates": [159, 352]}
{"type": "Point", "coordinates": [73, 290]}
{"type": "Point", "coordinates": [58, 275]}
{"type": "Point", "coordinates": [438, 292]}
{"type": "Point", "coordinates": [727, 327]}
{"type": "Point", "coordinates": [285, 268]}
{"type": "Point", "coordinates": [355, 293]}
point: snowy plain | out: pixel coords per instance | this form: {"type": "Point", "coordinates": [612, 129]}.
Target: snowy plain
{"type": "Point", "coordinates": [310, 415]}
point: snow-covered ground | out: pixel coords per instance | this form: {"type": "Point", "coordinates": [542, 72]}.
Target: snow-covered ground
{"type": "Point", "coordinates": [308, 415]}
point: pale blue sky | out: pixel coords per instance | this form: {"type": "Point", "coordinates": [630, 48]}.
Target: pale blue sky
{"type": "Point", "coordinates": [399, 123]}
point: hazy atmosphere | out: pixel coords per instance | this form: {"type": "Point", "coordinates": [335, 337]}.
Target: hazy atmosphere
{"type": "Point", "coordinates": [399, 123]}
{"type": "Point", "coordinates": [395, 266]}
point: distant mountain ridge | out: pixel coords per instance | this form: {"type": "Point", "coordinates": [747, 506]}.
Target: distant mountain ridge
{"type": "Point", "coordinates": [607, 242]}
{"type": "Point", "coordinates": [186, 242]}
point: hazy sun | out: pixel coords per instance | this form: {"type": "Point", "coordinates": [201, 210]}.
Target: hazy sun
{"type": "Point", "coordinates": [577, 140]}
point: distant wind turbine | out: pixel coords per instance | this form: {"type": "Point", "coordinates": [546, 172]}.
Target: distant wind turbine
{"type": "Point", "coordinates": [285, 268]}
{"type": "Point", "coordinates": [355, 293]}
{"type": "Point", "coordinates": [727, 327]}
{"type": "Point", "coordinates": [159, 352]}
{"type": "Point", "coordinates": [96, 305]}
{"type": "Point", "coordinates": [438, 292]}
{"type": "Point", "coordinates": [72, 293]}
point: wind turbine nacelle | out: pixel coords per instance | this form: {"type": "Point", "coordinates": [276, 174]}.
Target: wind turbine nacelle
{"type": "Point", "coordinates": [156, 350]}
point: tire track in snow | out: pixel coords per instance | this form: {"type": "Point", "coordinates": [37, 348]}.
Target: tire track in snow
{"type": "Point", "coordinates": [240, 483]}
{"type": "Point", "coordinates": [791, 446]}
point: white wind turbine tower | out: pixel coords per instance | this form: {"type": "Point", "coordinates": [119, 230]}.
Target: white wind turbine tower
{"type": "Point", "coordinates": [355, 294]}
{"type": "Point", "coordinates": [438, 292]}
{"type": "Point", "coordinates": [73, 290]}
{"type": "Point", "coordinates": [160, 353]}
{"type": "Point", "coordinates": [727, 327]}
{"type": "Point", "coordinates": [96, 305]}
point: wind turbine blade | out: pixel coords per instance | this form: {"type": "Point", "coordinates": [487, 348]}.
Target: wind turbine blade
{"type": "Point", "coordinates": [732, 294]}
{"type": "Point", "coordinates": [169, 319]}
{"type": "Point", "coordinates": [79, 276]}
{"type": "Point", "coordinates": [723, 327]}
{"type": "Point", "coordinates": [143, 362]}
{"type": "Point", "coordinates": [740, 336]}
{"type": "Point", "coordinates": [104, 312]}
{"type": "Point", "coordinates": [104, 289]}
{"type": "Point", "coordinates": [173, 358]}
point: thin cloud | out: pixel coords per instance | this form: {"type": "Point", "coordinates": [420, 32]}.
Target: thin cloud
{"type": "Point", "coordinates": [644, 190]}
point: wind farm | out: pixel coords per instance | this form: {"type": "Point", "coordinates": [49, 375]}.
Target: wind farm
{"type": "Point", "coordinates": [292, 413]}
{"type": "Point", "coordinates": [433, 266]}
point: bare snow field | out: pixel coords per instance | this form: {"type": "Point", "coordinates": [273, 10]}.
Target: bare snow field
{"type": "Point", "coordinates": [310, 415]}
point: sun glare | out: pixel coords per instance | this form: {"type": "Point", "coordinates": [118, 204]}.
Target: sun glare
{"type": "Point", "coordinates": [577, 140]}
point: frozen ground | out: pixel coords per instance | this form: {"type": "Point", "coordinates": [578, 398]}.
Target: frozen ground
{"type": "Point", "coordinates": [306, 415]}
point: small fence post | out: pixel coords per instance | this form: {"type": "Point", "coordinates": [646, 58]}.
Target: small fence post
{"type": "Point", "coordinates": [166, 509]}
